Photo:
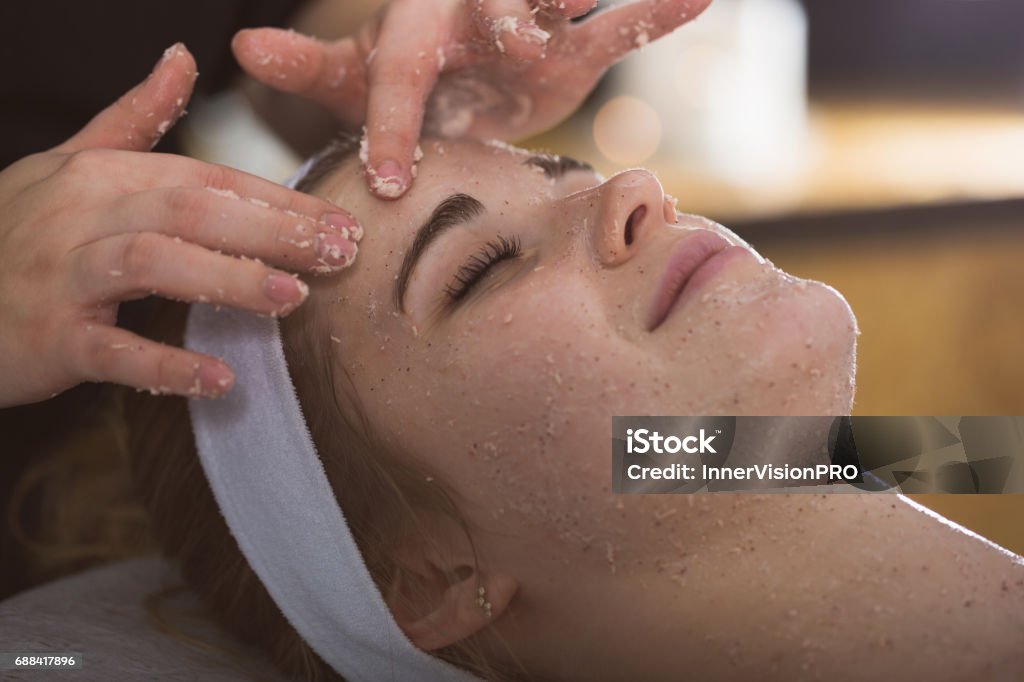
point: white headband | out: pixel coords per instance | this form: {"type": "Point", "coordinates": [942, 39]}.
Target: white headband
{"type": "Point", "coordinates": [265, 474]}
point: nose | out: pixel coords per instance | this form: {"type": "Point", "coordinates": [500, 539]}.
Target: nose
{"type": "Point", "coordinates": [631, 206]}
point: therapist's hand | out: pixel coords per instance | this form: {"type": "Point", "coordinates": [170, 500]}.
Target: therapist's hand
{"type": "Point", "coordinates": [487, 68]}
{"type": "Point", "coordinates": [99, 220]}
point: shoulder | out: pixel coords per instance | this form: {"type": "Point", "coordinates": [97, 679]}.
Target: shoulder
{"type": "Point", "coordinates": [102, 615]}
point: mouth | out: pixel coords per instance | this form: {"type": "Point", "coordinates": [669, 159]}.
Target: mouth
{"type": "Point", "coordinates": [693, 261]}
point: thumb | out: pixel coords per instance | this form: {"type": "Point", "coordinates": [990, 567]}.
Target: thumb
{"type": "Point", "coordinates": [141, 116]}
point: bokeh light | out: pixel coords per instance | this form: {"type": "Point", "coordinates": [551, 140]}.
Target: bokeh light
{"type": "Point", "coordinates": [627, 130]}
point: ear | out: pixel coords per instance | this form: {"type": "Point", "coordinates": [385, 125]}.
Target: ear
{"type": "Point", "coordinates": [457, 607]}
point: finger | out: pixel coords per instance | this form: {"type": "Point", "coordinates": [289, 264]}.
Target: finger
{"type": "Point", "coordinates": [242, 228]}
{"type": "Point", "coordinates": [138, 172]}
{"type": "Point", "coordinates": [565, 8]}
{"type": "Point", "coordinates": [612, 34]}
{"type": "Point", "coordinates": [141, 116]}
{"type": "Point", "coordinates": [131, 266]}
{"type": "Point", "coordinates": [330, 74]}
{"type": "Point", "coordinates": [402, 73]}
{"type": "Point", "coordinates": [101, 353]}
{"type": "Point", "coordinates": [510, 24]}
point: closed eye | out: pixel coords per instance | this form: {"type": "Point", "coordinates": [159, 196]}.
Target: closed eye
{"type": "Point", "coordinates": [476, 266]}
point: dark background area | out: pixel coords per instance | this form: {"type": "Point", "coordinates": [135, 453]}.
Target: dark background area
{"type": "Point", "coordinates": [916, 46]}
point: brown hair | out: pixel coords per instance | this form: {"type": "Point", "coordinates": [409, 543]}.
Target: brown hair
{"type": "Point", "coordinates": [389, 502]}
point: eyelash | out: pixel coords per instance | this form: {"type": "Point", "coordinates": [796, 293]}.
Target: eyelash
{"type": "Point", "coordinates": [474, 269]}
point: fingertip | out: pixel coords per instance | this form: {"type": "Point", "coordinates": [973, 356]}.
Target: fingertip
{"type": "Point", "coordinates": [213, 379]}
{"type": "Point", "coordinates": [343, 223]}
{"type": "Point", "coordinates": [246, 46]}
{"type": "Point", "coordinates": [240, 42]}
{"type": "Point", "coordinates": [388, 179]}
{"type": "Point", "coordinates": [180, 58]}
{"type": "Point", "coordinates": [243, 36]}
{"type": "Point", "coordinates": [156, 104]}
{"type": "Point", "coordinates": [252, 40]}
{"type": "Point", "coordinates": [175, 74]}
{"type": "Point", "coordinates": [283, 60]}
{"type": "Point", "coordinates": [334, 252]}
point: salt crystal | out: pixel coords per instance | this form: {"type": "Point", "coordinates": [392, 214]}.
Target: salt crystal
{"type": "Point", "coordinates": [364, 148]}
{"type": "Point", "coordinates": [389, 188]}
{"type": "Point", "coordinates": [222, 192]}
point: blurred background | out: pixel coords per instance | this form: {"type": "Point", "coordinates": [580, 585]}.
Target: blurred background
{"type": "Point", "coordinates": [875, 145]}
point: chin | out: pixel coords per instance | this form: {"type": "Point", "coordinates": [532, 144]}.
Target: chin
{"type": "Point", "coordinates": [804, 361]}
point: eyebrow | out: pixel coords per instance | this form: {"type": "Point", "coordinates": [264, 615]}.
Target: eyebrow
{"type": "Point", "coordinates": [455, 210]}
{"type": "Point", "coordinates": [556, 166]}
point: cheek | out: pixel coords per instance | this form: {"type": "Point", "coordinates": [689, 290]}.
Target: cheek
{"type": "Point", "coordinates": [503, 398]}
{"type": "Point", "coordinates": [778, 346]}
{"type": "Point", "coordinates": [539, 353]}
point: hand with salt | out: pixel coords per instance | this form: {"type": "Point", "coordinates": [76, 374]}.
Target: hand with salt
{"type": "Point", "coordinates": [100, 219]}
{"type": "Point", "coordinates": [487, 68]}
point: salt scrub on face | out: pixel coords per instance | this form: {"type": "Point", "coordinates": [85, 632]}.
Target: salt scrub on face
{"type": "Point", "coordinates": [417, 156]}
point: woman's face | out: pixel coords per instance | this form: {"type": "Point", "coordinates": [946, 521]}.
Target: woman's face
{"type": "Point", "coordinates": [506, 388]}
{"type": "Point", "coordinates": [578, 318]}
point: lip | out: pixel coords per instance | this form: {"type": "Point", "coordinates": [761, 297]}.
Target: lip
{"type": "Point", "coordinates": [692, 263]}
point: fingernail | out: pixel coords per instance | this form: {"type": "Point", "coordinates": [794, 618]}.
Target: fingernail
{"type": "Point", "coordinates": [531, 32]}
{"type": "Point", "coordinates": [388, 180]}
{"type": "Point", "coordinates": [345, 224]}
{"type": "Point", "coordinates": [334, 250]}
{"type": "Point", "coordinates": [285, 289]}
{"type": "Point", "coordinates": [214, 379]}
